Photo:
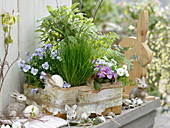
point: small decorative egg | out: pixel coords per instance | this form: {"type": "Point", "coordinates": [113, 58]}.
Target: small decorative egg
{"type": "Point", "coordinates": [57, 80]}
{"type": "Point", "coordinates": [31, 111]}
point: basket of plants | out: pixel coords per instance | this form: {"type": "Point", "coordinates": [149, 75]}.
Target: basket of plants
{"type": "Point", "coordinates": [75, 68]}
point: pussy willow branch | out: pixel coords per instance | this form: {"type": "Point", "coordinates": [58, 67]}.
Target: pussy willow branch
{"type": "Point", "coordinates": [94, 16]}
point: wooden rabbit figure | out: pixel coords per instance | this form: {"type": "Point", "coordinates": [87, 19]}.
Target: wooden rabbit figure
{"type": "Point", "coordinates": [139, 51]}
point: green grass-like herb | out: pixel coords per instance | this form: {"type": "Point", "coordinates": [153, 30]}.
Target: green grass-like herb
{"type": "Point", "coordinates": [76, 65]}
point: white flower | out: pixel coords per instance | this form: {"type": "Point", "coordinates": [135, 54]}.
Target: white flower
{"type": "Point", "coordinates": [131, 27]}
{"type": "Point", "coordinates": [59, 58]}
{"type": "Point", "coordinates": [125, 67]}
{"type": "Point", "coordinates": [114, 61]}
{"type": "Point", "coordinates": [125, 70]}
{"type": "Point", "coordinates": [16, 125]}
{"type": "Point", "coordinates": [3, 126]}
{"type": "Point", "coordinates": [120, 71]}
{"type": "Point", "coordinates": [126, 73]}
{"type": "Point", "coordinates": [105, 58]}
{"type": "Point", "coordinates": [110, 64]}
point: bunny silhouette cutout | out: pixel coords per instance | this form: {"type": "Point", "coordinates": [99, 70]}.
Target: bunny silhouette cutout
{"type": "Point", "coordinates": [139, 51]}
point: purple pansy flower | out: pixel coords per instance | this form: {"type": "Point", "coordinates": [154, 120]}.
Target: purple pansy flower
{"type": "Point", "coordinates": [26, 68]}
{"type": "Point", "coordinates": [105, 72]}
{"type": "Point", "coordinates": [45, 66]}
{"type": "Point", "coordinates": [109, 74]}
{"type": "Point", "coordinates": [34, 91]}
{"type": "Point", "coordinates": [101, 73]}
{"type": "Point", "coordinates": [42, 75]}
{"type": "Point", "coordinates": [108, 71]}
{"type": "Point", "coordinates": [100, 61]}
{"type": "Point", "coordinates": [34, 71]}
{"type": "Point", "coordinates": [67, 85]}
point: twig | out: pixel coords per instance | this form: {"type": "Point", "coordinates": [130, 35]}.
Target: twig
{"type": "Point", "coordinates": [3, 78]}
{"type": "Point", "coordinates": [97, 10]}
{"type": "Point", "coordinates": [57, 4]}
{"type": "Point", "coordinates": [80, 5]}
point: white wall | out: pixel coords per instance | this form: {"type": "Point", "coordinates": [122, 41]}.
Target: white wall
{"type": "Point", "coordinates": [24, 37]}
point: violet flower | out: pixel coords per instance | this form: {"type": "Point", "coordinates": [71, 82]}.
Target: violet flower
{"type": "Point", "coordinates": [26, 68]}
{"type": "Point", "coordinates": [40, 56]}
{"type": "Point", "coordinates": [29, 58]}
{"type": "Point", "coordinates": [42, 75]}
{"type": "Point", "coordinates": [49, 45]}
{"type": "Point", "coordinates": [39, 50]}
{"type": "Point", "coordinates": [34, 71]}
{"type": "Point", "coordinates": [53, 55]}
{"type": "Point", "coordinates": [21, 63]}
{"type": "Point", "coordinates": [67, 85]}
{"type": "Point", "coordinates": [45, 66]}
{"type": "Point", "coordinates": [34, 91]}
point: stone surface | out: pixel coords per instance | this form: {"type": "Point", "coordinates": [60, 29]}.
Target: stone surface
{"type": "Point", "coordinates": [162, 120]}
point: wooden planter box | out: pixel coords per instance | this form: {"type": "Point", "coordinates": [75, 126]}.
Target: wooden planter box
{"type": "Point", "coordinates": [53, 100]}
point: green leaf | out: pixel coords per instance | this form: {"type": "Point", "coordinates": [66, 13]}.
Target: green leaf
{"type": "Point", "coordinates": [97, 85]}
{"type": "Point", "coordinates": [133, 57]}
{"type": "Point", "coordinates": [74, 5]}
{"type": "Point", "coordinates": [50, 9]}
{"type": "Point", "coordinates": [106, 81]}
{"type": "Point", "coordinates": [13, 19]}
{"type": "Point", "coordinates": [5, 29]}
{"type": "Point", "coordinates": [32, 109]}
{"type": "Point", "coordinates": [72, 39]}
{"type": "Point", "coordinates": [58, 30]}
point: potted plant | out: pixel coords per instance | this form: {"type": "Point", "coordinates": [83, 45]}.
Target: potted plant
{"type": "Point", "coordinates": [74, 52]}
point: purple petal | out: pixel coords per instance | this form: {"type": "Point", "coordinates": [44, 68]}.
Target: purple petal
{"type": "Point", "coordinates": [67, 85]}
{"type": "Point", "coordinates": [26, 68]}
{"type": "Point", "coordinates": [34, 91]}
{"type": "Point", "coordinates": [45, 65]}
{"type": "Point", "coordinates": [109, 76]}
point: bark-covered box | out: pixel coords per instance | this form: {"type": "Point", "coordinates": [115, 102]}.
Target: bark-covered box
{"type": "Point", "coordinates": [54, 99]}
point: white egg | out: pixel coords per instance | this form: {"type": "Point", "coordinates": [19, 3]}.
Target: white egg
{"type": "Point", "coordinates": [57, 80]}
{"type": "Point", "coordinates": [31, 110]}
